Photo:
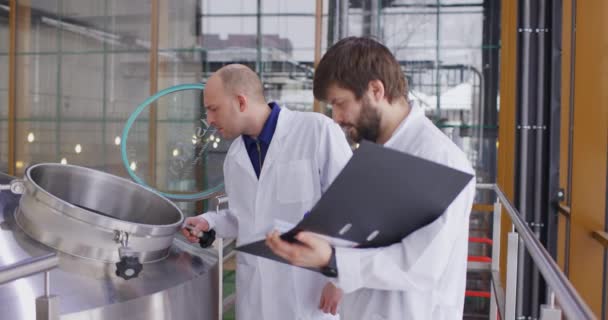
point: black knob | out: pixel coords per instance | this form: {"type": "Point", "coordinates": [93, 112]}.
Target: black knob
{"type": "Point", "coordinates": [128, 267]}
{"type": "Point", "coordinates": [206, 240]}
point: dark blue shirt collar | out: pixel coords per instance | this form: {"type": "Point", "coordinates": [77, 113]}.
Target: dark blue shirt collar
{"type": "Point", "coordinates": [269, 127]}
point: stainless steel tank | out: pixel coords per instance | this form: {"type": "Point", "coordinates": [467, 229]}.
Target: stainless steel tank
{"type": "Point", "coordinates": [118, 255]}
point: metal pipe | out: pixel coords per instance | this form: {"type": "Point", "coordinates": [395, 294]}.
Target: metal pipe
{"type": "Point", "coordinates": [12, 88]}
{"type": "Point", "coordinates": [47, 283]}
{"type": "Point", "coordinates": [343, 19]}
{"type": "Point", "coordinates": [481, 112]}
{"type": "Point", "coordinates": [573, 305]}
{"type": "Point", "coordinates": [153, 112]}
{"type": "Point", "coordinates": [28, 267]}
{"type": "Point", "coordinates": [317, 105]}
{"type": "Point", "coordinates": [220, 271]}
{"type": "Point", "coordinates": [525, 26]}
{"type": "Point", "coordinates": [437, 62]}
{"type": "Point", "coordinates": [539, 159]}
{"type": "Point", "coordinates": [258, 39]}
{"type": "Point", "coordinates": [374, 21]}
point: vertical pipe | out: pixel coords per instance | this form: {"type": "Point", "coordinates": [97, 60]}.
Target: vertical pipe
{"type": "Point", "coordinates": [154, 16]}
{"type": "Point", "coordinates": [374, 20]}
{"type": "Point", "coordinates": [481, 119]}
{"type": "Point", "coordinates": [539, 156]}
{"type": "Point", "coordinates": [104, 92]}
{"type": "Point", "coordinates": [316, 107]}
{"type": "Point", "coordinates": [258, 40]}
{"type": "Point", "coordinates": [220, 268]}
{"type": "Point", "coordinates": [553, 136]}
{"type": "Point", "coordinates": [333, 18]}
{"type": "Point", "coordinates": [437, 62]}
{"type": "Point", "coordinates": [12, 82]}
{"type": "Point", "coordinates": [58, 84]}
{"type": "Point", "coordinates": [525, 24]}
{"type": "Point", "coordinates": [47, 284]}
{"type": "Point", "coordinates": [343, 23]}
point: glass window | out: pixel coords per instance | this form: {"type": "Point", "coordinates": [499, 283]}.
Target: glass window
{"type": "Point", "coordinates": [82, 68]}
{"type": "Point", "coordinates": [4, 47]}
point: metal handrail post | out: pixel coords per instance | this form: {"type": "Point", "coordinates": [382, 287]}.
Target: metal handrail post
{"type": "Point", "coordinates": [511, 284]}
{"type": "Point", "coordinates": [495, 256]}
{"type": "Point", "coordinates": [220, 200]}
{"type": "Point", "coordinates": [47, 305]}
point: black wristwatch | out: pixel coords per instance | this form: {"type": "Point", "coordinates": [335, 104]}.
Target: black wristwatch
{"type": "Point", "coordinates": [331, 270]}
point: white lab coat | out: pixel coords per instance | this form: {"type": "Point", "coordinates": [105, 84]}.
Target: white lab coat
{"type": "Point", "coordinates": [306, 153]}
{"type": "Point", "coordinates": [424, 276]}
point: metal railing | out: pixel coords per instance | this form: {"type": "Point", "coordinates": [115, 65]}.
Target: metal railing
{"type": "Point", "coordinates": [225, 251]}
{"type": "Point", "coordinates": [560, 287]}
{"type": "Point", "coordinates": [47, 305]}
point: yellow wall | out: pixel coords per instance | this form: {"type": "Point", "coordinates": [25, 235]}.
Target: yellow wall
{"type": "Point", "coordinates": [590, 149]}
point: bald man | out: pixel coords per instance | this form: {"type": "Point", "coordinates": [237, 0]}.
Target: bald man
{"type": "Point", "coordinates": [275, 170]}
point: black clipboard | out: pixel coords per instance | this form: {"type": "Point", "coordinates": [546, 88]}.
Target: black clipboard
{"type": "Point", "coordinates": [380, 197]}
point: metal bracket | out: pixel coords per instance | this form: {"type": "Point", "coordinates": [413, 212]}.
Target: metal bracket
{"type": "Point", "coordinates": [121, 237]}
{"type": "Point", "coordinates": [16, 186]}
{"type": "Point", "coordinates": [532, 127]}
{"type": "Point", "coordinates": [533, 30]}
{"type": "Point", "coordinates": [537, 225]}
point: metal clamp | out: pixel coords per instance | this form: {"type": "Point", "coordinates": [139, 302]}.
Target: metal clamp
{"type": "Point", "coordinates": [129, 265]}
{"type": "Point", "coordinates": [16, 186]}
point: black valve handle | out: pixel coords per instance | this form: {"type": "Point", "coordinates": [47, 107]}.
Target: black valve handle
{"type": "Point", "coordinates": [128, 267]}
{"type": "Point", "coordinates": [206, 240]}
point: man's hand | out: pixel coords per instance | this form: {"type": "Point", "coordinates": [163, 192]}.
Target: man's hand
{"type": "Point", "coordinates": [330, 299]}
{"type": "Point", "coordinates": [198, 224]}
{"type": "Point", "coordinates": [312, 252]}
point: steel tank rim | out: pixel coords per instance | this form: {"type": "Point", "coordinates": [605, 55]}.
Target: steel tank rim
{"type": "Point", "coordinates": [39, 193]}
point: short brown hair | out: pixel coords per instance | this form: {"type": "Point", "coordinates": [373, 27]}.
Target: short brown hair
{"type": "Point", "coordinates": [355, 61]}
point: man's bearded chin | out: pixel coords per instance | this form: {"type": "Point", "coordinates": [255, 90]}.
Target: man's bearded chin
{"type": "Point", "coordinates": [368, 124]}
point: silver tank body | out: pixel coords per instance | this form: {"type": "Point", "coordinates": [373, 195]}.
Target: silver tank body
{"type": "Point", "coordinates": [179, 282]}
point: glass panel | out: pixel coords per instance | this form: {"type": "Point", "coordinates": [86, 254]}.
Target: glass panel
{"type": "Point", "coordinates": [439, 45]}
{"type": "Point", "coordinates": [4, 47]}
{"type": "Point", "coordinates": [36, 141]}
{"type": "Point", "coordinates": [37, 85]}
{"type": "Point", "coordinates": [37, 24]}
{"type": "Point", "coordinates": [82, 102]}
{"type": "Point", "coordinates": [190, 55]}
{"type": "Point", "coordinates": [82, 68]}
{"type": "Point", "coordinates": [81, 143]}
{"type": "Point", "coordinates": [3, 146]}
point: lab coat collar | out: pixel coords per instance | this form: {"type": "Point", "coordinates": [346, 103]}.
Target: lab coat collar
{"type": "Point", "coordinates": [240, 151]}
{"type": "Point", "coordinates": [415, 114]}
